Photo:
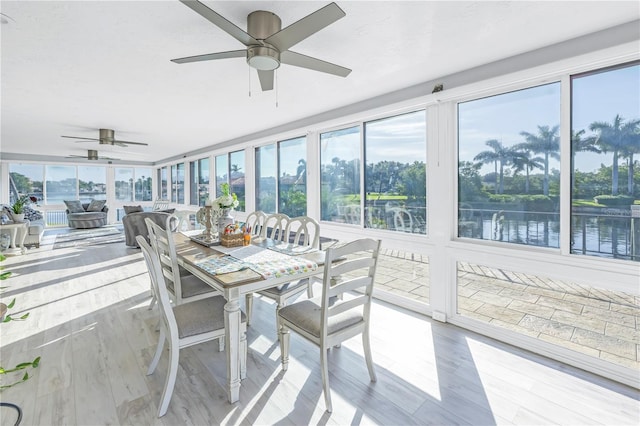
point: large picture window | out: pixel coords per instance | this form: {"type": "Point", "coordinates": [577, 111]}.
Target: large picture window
{"type": "Point", "coordinates": [222, 172]}
{"type": "Point", "coordinates": [124, 183]}
{"type": "Point", "coordinates": [340, 175]}
{"type": "Point", "coordinates": [605, 147]}
{"type": "Point", "coordinates": [26, 179]}
{"type": "Point", "coordinates": [266, 171]}
{"type": "Point", "coordinates": [133, 184]}
{"type": "Point", "coordinates": [177, 183]}
{"type": "Point", "coordinates": [199, 188]}
{"type": "Point", "coordinates": [292, 180]}
{"type": "Point", "coordinates": [143, 181]}
{"type": "Point", "coordinates": [92, 183]}
{"type": "Point", "coordinates": [230, 169]}
{"type": "Point", "coordinates": [61, 184]}
{"type": "Point", "coordinates": [509, 167]}
{"type": "Point", "coordinates": [163, 188]}
{"type": "Point", "coordinates": [395, 174]}
{"type": "Point", "coordinates": [236, 177]}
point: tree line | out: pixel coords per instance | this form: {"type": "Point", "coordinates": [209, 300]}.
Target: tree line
{"type": "Point", "coordinates": [619, 138]}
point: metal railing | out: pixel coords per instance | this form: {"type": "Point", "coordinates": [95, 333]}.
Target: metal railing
{"type": "Point", "coordinates": [609, 233]}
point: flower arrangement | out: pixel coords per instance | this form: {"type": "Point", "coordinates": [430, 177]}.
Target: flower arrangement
{"type": "Point", "coordinates": [226, 201]}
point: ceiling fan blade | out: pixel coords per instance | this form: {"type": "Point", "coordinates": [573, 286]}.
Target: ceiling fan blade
{"type": "Point", "coordinates": [303, 61]}
{"type": "Point", "coordinates": [125, 143]}
{"type": "Point", "coordinates": [77, 137]}
{"type": "Point", "coordinates": [310, 24]}
{"type": "Point", "coordinates": [220, 21]}
{"type": "Point", "coordinates": [212, 56]}
{"type": "Point", "coordinates": [266, 79]}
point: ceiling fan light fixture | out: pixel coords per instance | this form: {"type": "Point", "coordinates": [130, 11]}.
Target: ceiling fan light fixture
{"type": "Point", "coordinates": [263, 58]}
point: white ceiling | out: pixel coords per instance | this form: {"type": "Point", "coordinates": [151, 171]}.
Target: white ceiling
{"type": "Point", "coordinates": [72, 67]}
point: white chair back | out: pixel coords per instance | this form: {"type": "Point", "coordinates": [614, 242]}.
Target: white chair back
{"type": "Point", "coordinates": [160, 205]}
{"type": "Point", "coordinates": [344, 310]}
{"type": "Point", "coordinates": [306, 231]}
{"type": "Point", "coordinates": [159, 285]}
{"type": "Point", "coordinates": [402, 220]}
{"type": "Point", "coordinates": [164, 247]}
{"type": "Point", "coordinates": [256, 221]}
{"type": "Point", "coordinates": [357, 273]}
{"type": "Point", "coordinates": [275, 226]}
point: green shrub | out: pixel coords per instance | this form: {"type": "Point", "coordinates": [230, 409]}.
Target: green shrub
{"type": "Point", "coordinates": [614, 200]}
{"type": "Point", "coordinates": [501, 198]}
{"type": "Point", "coordinates": [540, 203]}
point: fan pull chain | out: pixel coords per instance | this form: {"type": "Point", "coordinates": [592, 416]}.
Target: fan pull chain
{"type": "Point", "coordinates": [277, 86]}
{"type": "Point", "coordinates": [249, 81]}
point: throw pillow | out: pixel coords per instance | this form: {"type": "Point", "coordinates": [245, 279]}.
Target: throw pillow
{"type": "Point", "coordinates": [170, 211]}
{"type": "Point", "coordinates": [74, 206]}
{"type": "Point", "coordinates": [132, 209]}
{"type": "Point", "coordinates": [8, 212]}
{"type": "Point", "coordinates": [96, 205]}
{"type": "Point", "coordinates": [31, 214]}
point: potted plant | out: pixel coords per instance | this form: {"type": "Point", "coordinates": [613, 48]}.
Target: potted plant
{"type": "Point", "coordinates": [18, 207]}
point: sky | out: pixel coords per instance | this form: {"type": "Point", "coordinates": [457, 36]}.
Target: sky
{"type": "Point", "coordinates": [596, 97]}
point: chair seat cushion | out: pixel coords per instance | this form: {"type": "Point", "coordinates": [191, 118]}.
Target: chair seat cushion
{"type": "Point", "coordinates": [193, 286]}
{"type": "Point", "coordinates": [306, 315]}
{"type": "Point", "coordinates": [201, 316]}
{"type": "Point", "coordinates": [288, 288]}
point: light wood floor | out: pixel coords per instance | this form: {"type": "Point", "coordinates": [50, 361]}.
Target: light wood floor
{"type": "Point", "coordinates": [90, 324]}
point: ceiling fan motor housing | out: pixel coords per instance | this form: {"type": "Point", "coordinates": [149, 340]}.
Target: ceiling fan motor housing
{"type": "Point", "coordinates": [107, 137]}
{"type": "Point", "coordinates": [92, 154]}
{"type": "Point", "coordinates": [260, 25]}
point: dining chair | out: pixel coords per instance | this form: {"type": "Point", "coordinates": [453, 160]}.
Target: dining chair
{"type": "Point", "coordinates": [185, 325]}
{"type": "Point", "coordinates": [255, 220]}
{"type": "Point", "coordinates": [182, 285]}
{"type": "Point", "coordinates": [342, 311]}
{"type": "Point", "coordinates": [303, 231]}
{"type": "Point", "coordinates": [402, 220]}
{"type": "Point", "coordinates": [274, 227]}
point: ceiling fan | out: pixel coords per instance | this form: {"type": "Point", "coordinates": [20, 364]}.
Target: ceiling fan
{"type": "Point", "coordinates": [107, 137]}
{"type": "Point", "coordinates": [92, 154]}
{"type": "Point", "coordinates": [267, 44]}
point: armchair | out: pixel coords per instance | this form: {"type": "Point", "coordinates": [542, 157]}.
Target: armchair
{"type": "Point", "coordinates": [134, 224]}
{"type": "Point", "coordinates": [86, 215]}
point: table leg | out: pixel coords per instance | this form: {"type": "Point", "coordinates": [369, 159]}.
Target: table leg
{"type": "Point", "coordinates": [20, 236]}
{"type": "Point", "coordinates": [232, 336]}
{"type": "Point", "coordinates": [13, 232]}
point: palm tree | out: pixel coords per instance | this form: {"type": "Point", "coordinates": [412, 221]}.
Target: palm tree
{"type": "Point", "coordinates": [523, 160]}
{"type": "Point", "coordinates": [301, 171]}
{"type": "Point", "coordinates": [631, 148]}
{"type": "Point", "coordinates": [616, 137]}
{"type": "Point", "coordinates": [580, 145]}
{"type": "Point", "coordinates": [500, 156]}
{"type": "Point", "coordinates": [546, 142]}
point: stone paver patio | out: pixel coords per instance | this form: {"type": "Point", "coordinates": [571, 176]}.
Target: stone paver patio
{"type": "Point", "coordinates": [597, 322]}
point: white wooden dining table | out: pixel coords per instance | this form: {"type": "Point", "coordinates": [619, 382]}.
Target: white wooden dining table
{"type": "Point", "coordinates": [234, 285]}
